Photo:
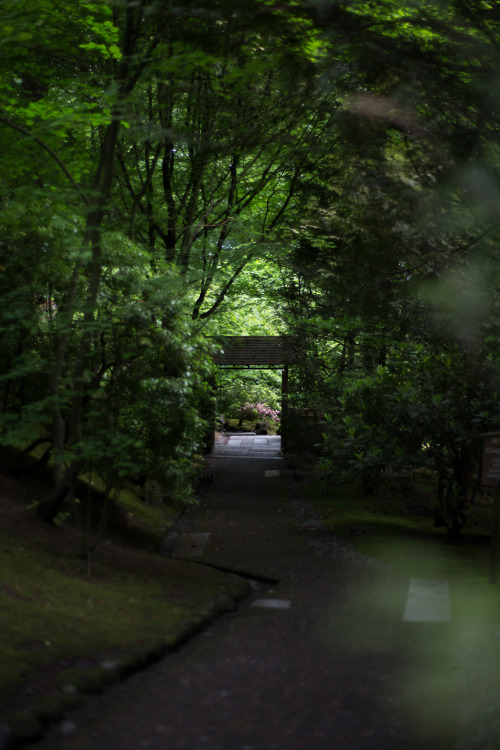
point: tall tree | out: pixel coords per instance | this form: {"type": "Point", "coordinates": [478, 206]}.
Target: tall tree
{"type": "Point", "coordinates": [400, 248]}
{"type": "Point", "coordinates": [151, 150]}
{"type": "Point", "coordinates": [47, 119]}
{"type": "Point", "coordinates": [229, 126]}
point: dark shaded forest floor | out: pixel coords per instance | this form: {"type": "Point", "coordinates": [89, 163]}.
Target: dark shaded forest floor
{"type": "Point", "coordinates": [73, 622]}
{"type": "Point", "coordinates": [73, 625]}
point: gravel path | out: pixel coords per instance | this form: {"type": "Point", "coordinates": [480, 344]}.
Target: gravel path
{"type": "Point", "coordinates": [318, 538]}
{"type": "Point", "coordinates": [318, 659]}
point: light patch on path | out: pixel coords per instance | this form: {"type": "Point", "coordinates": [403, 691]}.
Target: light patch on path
{"type": "Point", "coordinates": [428, 600]}
{"type": "Point", "coordinates": [250, 454]}
{"type": "Point", "coordinates": [271, 473]}
{"type": "Point", "coordinates": [234, 441]}
{"type": "Point", "coordinates": [272, 603]}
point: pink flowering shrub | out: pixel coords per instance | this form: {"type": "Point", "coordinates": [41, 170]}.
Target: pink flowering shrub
{"type": "Point", "coordinates": [257, 411]}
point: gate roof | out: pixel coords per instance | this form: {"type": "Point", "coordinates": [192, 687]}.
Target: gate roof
{"type": "Point", "coordinates": [254, 351]}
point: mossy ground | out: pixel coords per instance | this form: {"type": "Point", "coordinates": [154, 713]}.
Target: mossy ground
{"type": "Point", "coordinates": [62, 609]}
{"type": "Point", "coordinates": [397, 528]}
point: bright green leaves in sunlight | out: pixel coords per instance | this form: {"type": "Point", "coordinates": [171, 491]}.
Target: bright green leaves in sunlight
{"type": "Point", "coordinates": [150, 160]}
{"type": "Point", "coordinates": [98, 355]}
{"type": "Point", "coordinates": [102, 33]}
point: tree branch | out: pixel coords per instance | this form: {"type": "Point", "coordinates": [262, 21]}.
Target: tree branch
{"type": "Point", "coordinates": [50, 151]}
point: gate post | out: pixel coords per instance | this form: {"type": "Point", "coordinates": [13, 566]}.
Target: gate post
{"type": "Point", "coordinates": [284, 408]}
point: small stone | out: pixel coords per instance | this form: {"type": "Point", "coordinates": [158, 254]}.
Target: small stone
{"type": "Point", "coordinates": [67, 727]}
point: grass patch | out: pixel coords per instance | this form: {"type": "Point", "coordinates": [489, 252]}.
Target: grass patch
{"type": "Point", "coordinates": [56, 618]}
{"type": "Point", "coordinates": [132, 521]}
{"type": "Point", "coordinates": [399, 531]}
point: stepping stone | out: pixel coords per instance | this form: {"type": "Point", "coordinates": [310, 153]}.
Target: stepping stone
{"type": "Point", "coordinates": [428, 601]}
{"type": "Point", "coordinates": [245, 446]}
{"type": "Point", "coordinates": [271, 473]}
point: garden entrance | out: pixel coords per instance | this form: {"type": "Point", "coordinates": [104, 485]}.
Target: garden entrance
{"type": "Point", "coordinates": [260, 353]}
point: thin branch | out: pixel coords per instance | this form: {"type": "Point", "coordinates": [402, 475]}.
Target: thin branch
{"type": "Point", "coordinates": [222, 294]}
{"type": "Point", "coordinates": [52, 153]}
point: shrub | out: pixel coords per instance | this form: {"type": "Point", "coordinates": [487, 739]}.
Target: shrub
{"type": "Point", "coordinates": [259, 411]}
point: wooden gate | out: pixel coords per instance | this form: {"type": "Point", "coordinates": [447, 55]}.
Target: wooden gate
{"type": "Point", "coordinates": [259, 352]}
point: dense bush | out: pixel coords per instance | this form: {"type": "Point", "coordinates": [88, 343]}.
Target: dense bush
{"type": "Point", "coordinates": [143, 378]}
{"type": "Point", "coordinates": [424, 409]}
{"type": "Point", "coordinates": [259, 411]}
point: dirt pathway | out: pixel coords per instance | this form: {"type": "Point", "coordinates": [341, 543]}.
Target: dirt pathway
{"type": "Point", "coordinates": [319, 658]}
